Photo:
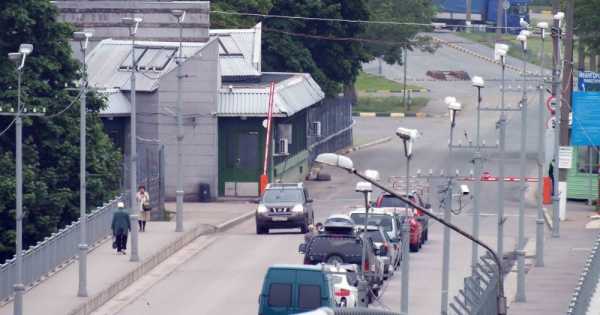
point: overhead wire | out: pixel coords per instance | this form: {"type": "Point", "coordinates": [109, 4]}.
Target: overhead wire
{"type": "Point", "coordinates": [8, 127]}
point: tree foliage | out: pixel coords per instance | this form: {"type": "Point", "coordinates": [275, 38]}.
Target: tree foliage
{"type": "Point", "coordinates": [586, 23]}
{"type": "Point", "coordinates": [50, 145]}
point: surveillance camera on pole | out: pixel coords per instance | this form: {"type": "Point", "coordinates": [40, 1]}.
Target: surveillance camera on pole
{"type": "Point", "coordinates": [559, 16]}
{"type": "Point", "coordinates": [453, 108]}
{"type": "Point", "coordinates": [464, 190]}
{"type": "Point", "coordinates": [408, 136]}
{"type": "Point", "coordinates": [523, 23]}
{"type": "Point", "coordinates": [364, 187]}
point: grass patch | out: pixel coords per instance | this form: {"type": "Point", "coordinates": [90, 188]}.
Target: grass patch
{"type": "Point", "coordinates": [370, 83]}
{"type": "Point", "coordinates": [534, 46]}
{"type": "Point", "coordinates": [391, 104]}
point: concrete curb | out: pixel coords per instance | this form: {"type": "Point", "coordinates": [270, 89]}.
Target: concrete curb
{"type": "Point", "coordinates": [423, 90]}
{"type": "Point", "coordinates": [148, 264]}
{"type": "Point", "coordinates": [477, 55]}
{"type": "Point", "coordinates": [397, 114]}
{"type": "Point", "coordinates": [366, 145]}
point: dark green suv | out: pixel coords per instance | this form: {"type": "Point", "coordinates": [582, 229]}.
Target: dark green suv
{"type": "Point", "coordinates": [284, 206]}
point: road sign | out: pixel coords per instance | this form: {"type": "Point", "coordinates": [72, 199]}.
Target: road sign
{"type": "Point", "coordinates": [506, 5]}
{"type": "Point", "coordinates": [588, 81]}
{"type": "Point", "coordinates": [565, 157]}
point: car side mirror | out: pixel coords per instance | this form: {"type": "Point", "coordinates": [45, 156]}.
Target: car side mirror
{"type": "Point", "coordinates": [302, 248]}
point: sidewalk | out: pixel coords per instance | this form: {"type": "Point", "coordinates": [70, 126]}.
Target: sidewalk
{"type": "Point", "coordinates": [109, 273]}
{"type": "Point", "coordinates": [549, 289]}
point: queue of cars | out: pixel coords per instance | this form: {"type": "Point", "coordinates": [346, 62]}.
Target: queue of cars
{"type": "Point", "coordinates": [350, 247]}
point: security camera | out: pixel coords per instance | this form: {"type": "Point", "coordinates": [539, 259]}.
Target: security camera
{"type": "Point", "coordinates": [559, 16]}
{"type": "Point", "coordinates": [464, 190]}
{"type": "Point", "coordinates": [456, 106]}
{"type": "Point", "coordinates": [542, 25]}
{"type": "Point", "coordinates": [523, 23]}
{"type": "Point", "coordinates": [406, 133]}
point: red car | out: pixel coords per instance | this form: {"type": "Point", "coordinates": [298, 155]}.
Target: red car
{"type": "Point", "coordinates": [419, 231]}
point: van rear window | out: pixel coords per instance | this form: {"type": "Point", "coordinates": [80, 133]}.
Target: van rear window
{"type": "Point", "coordinates": [309, 296]}
{"type": "Point", "coordinates": [280, 295]}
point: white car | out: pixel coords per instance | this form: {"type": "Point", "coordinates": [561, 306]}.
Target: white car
{"type": "Point", "coordinates": [344, 278]}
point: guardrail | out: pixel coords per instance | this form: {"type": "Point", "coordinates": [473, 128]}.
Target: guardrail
{"type": "Point", "coordinates": [587, 285]}
{"type": "Point", "coordinates": [56, 250]}
{"type": "Point", "coordinates": [480, 293]}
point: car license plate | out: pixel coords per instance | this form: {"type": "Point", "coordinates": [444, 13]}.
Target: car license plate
{"type": "Point", "coordinates": [279, 218]}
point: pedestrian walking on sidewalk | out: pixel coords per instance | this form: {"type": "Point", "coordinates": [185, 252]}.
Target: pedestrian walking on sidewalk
{"type": "Point", "coordinates": [551, 174]}
{"type": "Point", "coordinates": [143, 200]}
{"type": "Point", "coordinates": [120, 227]}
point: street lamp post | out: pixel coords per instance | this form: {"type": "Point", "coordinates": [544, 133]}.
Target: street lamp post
{"type": "Point", "coordinates": [408, 137]}
{"type": "Point", "coordinates": [133, 23]}
{"type": "Point", "coordinates": [520, 295]}
{"type": "Point", "coordinates": [83, 38]}
{"type": "Point", "coordinates": [363, 288]}
{"type": "Point", "coordinates": [19, 59]}
{"type": "Point", "coordinates": [500, 51]}
{"type": "Point", "coordinates": [454, 107]}
{"type": "Point", "coordinates": [539, 235]}
{"type": "Point", "coordinates": [478, 83]}
{"type": "Point", "coordinates": [346, 163]}
{"type": "Point", "coordinates": [180, 15]}
{"type": "Point", "coordinates": [556, 94]}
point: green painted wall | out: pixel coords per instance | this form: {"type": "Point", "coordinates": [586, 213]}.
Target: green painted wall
{"type": "Point", "coordinates": [578, 183]}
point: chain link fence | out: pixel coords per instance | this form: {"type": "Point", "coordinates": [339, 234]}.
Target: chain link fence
{"type": "Point", "coordinates": [480, 293]}
{"type": "Point", "coordinates": [586, 297]}
{"type": "Point", "coordinates": [329, 126]}
{"type": "Point", "coordinates": [56, 250]}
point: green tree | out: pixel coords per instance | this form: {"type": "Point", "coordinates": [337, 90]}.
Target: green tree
{"type": "Point", "coordinates": [51, 145]}
{"type": "Point", "coordinates": [586, 23]}
{"type": "Point", "coordinates": [394, 38]}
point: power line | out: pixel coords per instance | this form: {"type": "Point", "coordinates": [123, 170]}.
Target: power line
{"type": "Point", "coordinates": [8, 127]}
{"type": "Point", "coordinates": [320, 19]}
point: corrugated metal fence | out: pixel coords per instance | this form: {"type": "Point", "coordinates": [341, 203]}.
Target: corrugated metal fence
{"type": "Point", "coordinates": [588, 288]}
{"type": "Point", "coordinates": [56, 250]}
{"type": "Point", "coordinates": [335, 116]}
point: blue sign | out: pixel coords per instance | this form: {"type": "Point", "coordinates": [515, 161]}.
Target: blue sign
{"type": "Point", "coordinates": [585, 129]}
{"type": "Point", "coordinates": [588, 81]}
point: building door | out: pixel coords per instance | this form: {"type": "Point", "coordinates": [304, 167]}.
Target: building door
{"type": "Point", "coordinates": [240, 159]}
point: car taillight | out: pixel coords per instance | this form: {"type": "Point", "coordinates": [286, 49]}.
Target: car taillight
{"type": "Point", "coordinates": [342, 292]}
{"type": "Point", "coordinates": [419, 212]}
{"type": "Point", "coordinates": [366, 266]}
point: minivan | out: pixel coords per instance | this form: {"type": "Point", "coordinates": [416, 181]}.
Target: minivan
{"type": "Point", "coordinates": [293, 289]}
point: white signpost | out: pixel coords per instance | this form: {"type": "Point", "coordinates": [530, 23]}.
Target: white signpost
{"type": "Point", "coordinates": [565, 157]}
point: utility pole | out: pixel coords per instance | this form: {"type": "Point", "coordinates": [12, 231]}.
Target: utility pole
{"type": "Point", "coordinates": [567, 92]}
{"type": "Point", "coordinates": [133, 24]}
{"type": "Point", "coordinates": [520, 295]}
{"type": "Point", "coordinates": [83, 38]}
{"type": "Point", "coordinates": [180, 15]}
{"type": "Point", "coordinates": [539, 240]}
{"type": "Point", "coordinates": [477, 191]}
{"type": "Point", "coordinates": [502, 142]}
{"type": "Point", "coordinates": [19, 59]}
{"type": "Point", "coordinates": [404, 78]}
{"type": "Point", "coordinates": [556, 35]}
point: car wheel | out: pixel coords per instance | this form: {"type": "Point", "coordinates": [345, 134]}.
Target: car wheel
{"type": "Point", "coordinates": [261, 229]}
{"type": "Point", "coordinates": [334, 259]}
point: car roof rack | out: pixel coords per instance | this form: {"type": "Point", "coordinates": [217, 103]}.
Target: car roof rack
{"type": "Point", "coordinates": [285, 185]}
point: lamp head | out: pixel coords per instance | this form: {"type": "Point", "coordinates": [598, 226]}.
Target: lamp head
{"type": "Point", "coordinates": [477, 81]}
{"type": "Point", "coordinates": [26, 49]}
{"type": "Point", "coordinates": [559, 16]}
{"type": "Point", "coordinates": [179, 14]}
{"type": "Point", "coordinates": [373, 174]}
{"type": "Point", "coordinates": [542, 25]}
{"type": "Point", "coordinates": [81, 36]}
{"type": "Point", "coordinates": [523, 23]}
{"type": "Point", "coordinates": [15, 57]}
{"type": "Point", "coordinates": [456, 106]}
{"type": "Point", "coordinates": [131, 21]}
{"type": "Point", "coordinates": [364, 187]}
{"type": "Point", "coordinates": [449, 100]}
{"type": "Point", "coordinates": [336, 160]}
{"type": "Point", "coordinates": [407, 134]}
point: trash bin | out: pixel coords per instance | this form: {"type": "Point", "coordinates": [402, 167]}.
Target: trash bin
{"type": "Point", "coordinates": [204, 192]}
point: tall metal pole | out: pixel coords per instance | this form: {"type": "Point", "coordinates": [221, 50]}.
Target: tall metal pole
{"type": "Point", "coordinates": [83, 246]}
{"type": "Point", "coordinates": [556, 33]}
{"type": "Point", "coordinates": [447, 218]}
{"type": "Point", "coordinates": [405, 242]}
{"type": "Point", "coordinates": [404, 79]}
{"type": "Point", "coordinates": [19, 287]}
{"type": "Point", "coordinates": [520, 296]}
{"type": "Point", "coordinates": [566, 97]}
{"type": "Point", "coordinates": [539, 235]}
{"type": "Point", "coordinates": [133, 214]}
{"type": "Point", "coordinates": [501, 162]}
{"type": "Point", "coordinates": [477, 187]}
{"type": "Point", "coordinates": [179, 193]}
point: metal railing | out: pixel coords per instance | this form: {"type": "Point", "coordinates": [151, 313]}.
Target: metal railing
{"type": "Point", "coordinates": [480, 293]}
{"type": "Point", "coordinates": [587, 285]}
{"type": "Point", "coordinates": [56, 250]}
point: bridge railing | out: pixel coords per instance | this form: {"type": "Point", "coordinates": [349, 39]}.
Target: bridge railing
{"type": "Point", "coordinates": [56, 250]}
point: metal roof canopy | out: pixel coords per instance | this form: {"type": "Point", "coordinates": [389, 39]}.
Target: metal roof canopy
{"type": "Point", "coordinates": [293, 93]}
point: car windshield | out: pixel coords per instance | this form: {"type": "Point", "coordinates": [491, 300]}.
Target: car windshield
{"type": "Point", "coordinates": [392, 202]}
{"type": "Point", "coordinates": [376, 236]}
{"type": "Point", "coordinates": [382, 220]}
{"type": "Point", "coordinates": [283, 196]}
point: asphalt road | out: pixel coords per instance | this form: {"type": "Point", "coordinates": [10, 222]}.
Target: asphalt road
{"type": "Point", "coordinates": [226, 277]}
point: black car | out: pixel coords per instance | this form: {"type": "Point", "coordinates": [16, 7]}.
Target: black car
{"type": "Point", "coordinates": [344, 249]}
{"type": "Point", "coordinates": [284, 206]}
